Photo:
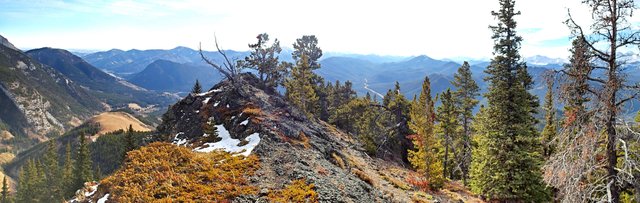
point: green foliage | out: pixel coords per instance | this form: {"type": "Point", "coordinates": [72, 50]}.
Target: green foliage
{"type": "Point", "coordinates": [300, 89]}
{"type": "Point", "coordinates": [447, 117]}
{"type": "Point", "coordinates": [197, 88]}
{"type": "Point", "coordinates": [507, 160]}
{"type": "Point", "coordinates": [264, 59]}
{"type": "Point", "coordinates": [425, 157]}
{"type": "Point", "coordinates": [466, 100]}
{"type": "Point", "coordinates": [67, 173]}
{"type": "Point", "coordinates": [550, 129]}
{"type": "Point", "coordinates": [5, 191]}
{"type": "Point", "coordinates": [52, 172]}
{"type": "Point", "coordinates": [83, 172]}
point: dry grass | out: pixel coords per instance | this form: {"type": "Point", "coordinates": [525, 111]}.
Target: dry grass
{"type": "Point", "coordinates": [338, 160]}
{"type": "Point", "coordinates": [395, 182]}
{"type": "Point", "coordinates": [6, 157]}
{"type": "Point", "coordinates": [112, 121]}
{"type": "Point", "coordinates": [362, 175]}
{"type": "Point", "coordinates": [5, 135]}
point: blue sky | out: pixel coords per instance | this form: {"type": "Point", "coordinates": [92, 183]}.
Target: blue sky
{"type": "Point", "coordinates": [399, 27]}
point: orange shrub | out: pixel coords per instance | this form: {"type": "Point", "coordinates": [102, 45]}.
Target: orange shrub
{"type": "Point", "coordinates": [165, 172]}
{"type": "Point", "coordinates": [296, 191]}
{"type": "Point", "coordinates": [418, 181]}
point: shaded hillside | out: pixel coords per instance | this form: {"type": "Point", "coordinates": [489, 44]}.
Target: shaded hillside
{"type": "Point", "coordinates": [113, 91]}
{"type": "Point", "coordinates": [38, 100]}
{"type": "Point", "coordinates": [168, 76]}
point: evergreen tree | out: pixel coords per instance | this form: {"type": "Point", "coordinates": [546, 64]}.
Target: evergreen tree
{"type": "Point", "coordinates": [197, 89]}
{"type": "Point", "coordinates": [307, 46]}
{"type": "Point", "coordinates": [52, 173]}
{"type": "Point", "coordinates": [83, 172]}
{"type": "Point", "coordinates": [264, 59]}
{"type": "Point", "coordinates": [427, 148]}
{"type": "Point", "coordinates": [549, 131]}
{"type": "Point", "coordinates": [448, 127]}
{"type": "Point", "coordinates": [130, 143]}
{"type": "Point", "coordinates": [67, 173]}
{"type": "Point", "coordinates": [466, 100]}
{"type": "Point", "coordinates": [300, 90]}
{"type": "Point", "coordinates": [395, 118]}
{"type": "Point", "coordinates": [5, 190]}
{"type": "Point", "coordinates": [22, 190]}
{"type": "Point", "coordinates": [507, 161]}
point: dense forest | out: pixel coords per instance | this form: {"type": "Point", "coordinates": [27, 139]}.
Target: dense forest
{"type": "Point", "coordinates": [501, 151]}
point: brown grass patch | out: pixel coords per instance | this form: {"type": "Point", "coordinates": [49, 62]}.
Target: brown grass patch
{"type": "Point", "coordinates": [112, 121]}
{"type": "Point", "coordinates": [6, 157]}
{"type": "Point", "coordinates": [338, 160]}
{"type": "Point", "coordinates": [362, 175]}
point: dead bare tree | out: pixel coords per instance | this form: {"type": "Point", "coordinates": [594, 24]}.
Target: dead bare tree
{"type": "Point", "coordinates": [228, 68]}
{"type": "Point", "coordinates": [594, 162]}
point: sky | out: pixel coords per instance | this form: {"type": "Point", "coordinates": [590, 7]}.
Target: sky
{"type": "Point", "coordinates": [436, 28]}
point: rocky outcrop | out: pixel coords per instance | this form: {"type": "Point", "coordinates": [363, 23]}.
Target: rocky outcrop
{"type": "Point", "coordinates": [289, 146]}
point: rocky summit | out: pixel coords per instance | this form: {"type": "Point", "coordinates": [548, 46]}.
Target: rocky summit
{"type": "Point", "coordinates": [289, 146]}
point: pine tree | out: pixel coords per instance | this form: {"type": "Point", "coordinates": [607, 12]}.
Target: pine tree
{"type": "Point", "coordinates": [130, 143]}
{"type": "Point", "coordinates": [22, 190]}
{"type": "Point", "coordinates": [507, 160]}
{"type": "Point", "coordinates": [52, 173]}
{"type": "Point", "coordinates": [67, 173]}
{"type": "Point", "coordinates": [307, 46]}
{"type": "Point", "coordinates": [549, 131]}
{"type": "Point", "coordinates": [448, 126]}
{"type": "Point", "coordinates": [466, 100]}
{"type": "Point", "coordinates": [395, 118]}
{"type": "Point", "coordinates": [427, 148]}
{"type": "Point", "coordinates": [300, 90]}
{"type": "Point", "coordinates": [83, 172]}
{"type": "Point", "coordinates": [264, 59]}
{"type": "Point", "coordinates": [5, 190]}
{"type": "Point", "coordinates": [197, 89]}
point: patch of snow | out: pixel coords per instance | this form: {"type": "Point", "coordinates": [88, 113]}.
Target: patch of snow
{"type": "Point", "coordinates": [229, 144]}
{"type": "Point", "coordinates": [179, 142]}
{"type": "Point", "coordinates": [103, 199]}
{"type": "Point", "coordinates": [216, 104]}
{"type": "Point", "coordinates": [227, 105]}
{"type": "Point", "coordinates": [245, 122]}
{"type": "Point", "coordinates": [206, 100]}
{"type": "Point", "coordinates": [209, 92]}
{"type": "Point", "coordinates": [197, 111]}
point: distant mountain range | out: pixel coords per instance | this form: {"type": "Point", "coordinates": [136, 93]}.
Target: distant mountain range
{"type": "Point", "coordinates": [44, 92]}
{"type": "Point", "coordinates": [114, 91]}
{"type": "Point", "coordinates": [164, 75]}
{"type": "Point", "coordinates": [143, 68]}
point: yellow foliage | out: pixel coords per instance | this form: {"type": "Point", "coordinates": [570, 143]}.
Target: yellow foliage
{"type": "Point", "coordinates": [168, 173]}
{"type": "Point", "coordinates": [297, 191]}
